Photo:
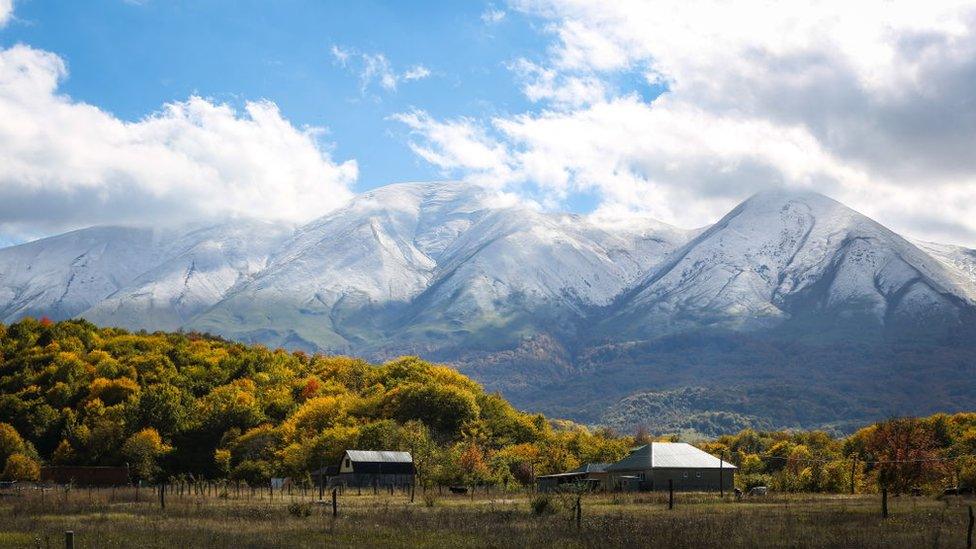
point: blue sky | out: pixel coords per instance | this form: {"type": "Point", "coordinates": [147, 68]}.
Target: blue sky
{"type": "Point", "coordinates": [131, 57]}
{"type": "Point", "coordinates": [154, 112]}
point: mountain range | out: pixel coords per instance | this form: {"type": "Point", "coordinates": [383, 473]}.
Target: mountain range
{"type": "Point", "coordinates": [793, 310]}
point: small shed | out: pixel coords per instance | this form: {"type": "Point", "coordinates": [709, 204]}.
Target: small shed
{"type": "Point", "coordinates": [365, 468]}
{"type": "Point", "coordinates": [657, 463]}
{"type": "Point", "coordinates": [591, 476]}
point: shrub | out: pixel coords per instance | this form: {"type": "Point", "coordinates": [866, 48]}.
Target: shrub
{"type": "Point", "coordinates": [300, 510]}
{"type": "Point", "coordinates": [430, 499]}
{"type": "Point", "coordinates": [543, 504]}
{"type": "Point", "coordinates": [21, 467]}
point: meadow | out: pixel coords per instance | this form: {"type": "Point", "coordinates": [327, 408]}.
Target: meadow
{"type": "Point", "coordinates": [219, 518]}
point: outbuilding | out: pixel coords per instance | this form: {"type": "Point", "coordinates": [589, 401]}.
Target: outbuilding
{"type": "Point", "coordinates": [591, 476]}
{"type": "Point", "coordinates": [652, 466]}
{"type": "Point", "coordinates": [365, 468]}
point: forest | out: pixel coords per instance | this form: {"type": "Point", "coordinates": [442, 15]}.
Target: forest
{"type": "Point", "coordinates": [170, 405]}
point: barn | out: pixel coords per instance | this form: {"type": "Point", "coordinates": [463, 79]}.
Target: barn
{"type": "Point", "coordinates": [652, 466]}
{"type": "Point", "coordinates": [591, 476]}
{"type": "Point", "coordinates": [365, 468]}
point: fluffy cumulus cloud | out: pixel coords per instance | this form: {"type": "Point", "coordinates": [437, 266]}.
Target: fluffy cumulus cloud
{"type": "Point", "coordinates": [65, 163]}
{"type": "Point", "coordinates": [870, 102]}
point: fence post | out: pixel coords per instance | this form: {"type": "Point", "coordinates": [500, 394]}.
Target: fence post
{"type": "Point", "coordinates": [969, 532]}
{"type": "Point", "coordinates": [884, 503]}
{"type": "Point", "coordinates": [579, 510]}
{"type": "Point", "coordinates": [721, 477]}
{"type": "Point", "coordinates": [69, 539]}
{"type": "Point", "coordinates": [670, 493]}
{"type": "Point", "coordinates": [335, 503]}
{"type": "Point", "coordinates": [162, 495]}
{"type": "Point", "coordinates": [412, 487]}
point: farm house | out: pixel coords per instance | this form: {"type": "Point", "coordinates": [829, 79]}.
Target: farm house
{"type": "Point", "coordinates": [366, 468]}
{"type": "Point", "coordinates": [652, 466]}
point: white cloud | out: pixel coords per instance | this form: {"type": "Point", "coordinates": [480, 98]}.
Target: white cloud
{"type": "Point", "coordinates": [65, 163]}
{"type": "Point", "coordinates": [542, 84]}
{"type": "Point", "coordinates": [375, 68]}
{"type": "Point", "coordinates": [492, 15]}
{"type": "Point", "coordinates": [458, 145]}
{"type": "Point", "coordinates": [418, 72]}
{"type": "Point", "coordinates": [6, 11]}
{"type": "Point", "coordinates": [341, 55]}
{"type": "Point", "coordinates": [870, 102]}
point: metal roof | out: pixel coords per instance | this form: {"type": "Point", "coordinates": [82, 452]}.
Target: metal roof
{"type": "Point", "coordinates": [582, 470]}
{"type": "Point", "coordinates": [592, 468]}
{"type": "Point", "coordinates": [379, 456]}
{"type": "Point", "coordinates": [665, 455]}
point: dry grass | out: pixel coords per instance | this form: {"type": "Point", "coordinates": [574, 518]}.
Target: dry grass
{"type": "Point", "coordinates": [101, 519]}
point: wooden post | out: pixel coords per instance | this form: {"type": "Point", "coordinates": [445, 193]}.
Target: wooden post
{"type": "Point", "coordinates": [721, 479]}
{"type": "Point", "coordinates": [412, 487]}
{"type": "Point", "coordinates": [884, 503]}
{"type": "Point", "coordinates": [969, 532]}
{"type": "Point", "coordinates": [69, 540]}
{"type": "Point", "coordinates": [670, 493]}
{"type": "Point", "coordinates": [162, 496]}
{"type": "Point", "coordinates": [579, 510]}
{"type": "Point", "coordinates": [853, 474]}
{"type": "Point", "coordinates": [335, 503]}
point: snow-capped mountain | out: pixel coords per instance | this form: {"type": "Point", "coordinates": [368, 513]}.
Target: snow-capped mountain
{"type": "Point", "coordinates": [194, 270]}
{"type": "Point", "coordinates": [425, 263]}
{"type": "Point", "coordinates": [428, 265]}
{"type": "Point", "coordinates": [799, 257]}
{"type": "Point", "coordinates": [133, 277]}
{"type": "Point", "coordinates": [787, 288]}
{"type": "Point", "coordinates": [63, 276]}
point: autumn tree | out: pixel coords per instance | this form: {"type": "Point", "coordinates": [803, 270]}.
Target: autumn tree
{"type": "Point", "coordinates": [142, 452]}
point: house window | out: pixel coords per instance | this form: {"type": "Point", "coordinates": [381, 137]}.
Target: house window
{"type": "Point", "coordinates": [347, 462]}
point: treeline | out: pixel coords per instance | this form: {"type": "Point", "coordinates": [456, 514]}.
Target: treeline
{"type": "Point", "coordinates": [172, 404]}
{"type": "Point", "coordinates": [900, 454]}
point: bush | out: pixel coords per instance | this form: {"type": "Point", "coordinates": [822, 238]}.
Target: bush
{"type": "Point", "coordinates": [300, 510]}
{"type": "Point", "coordinates": [543, 504]}
{"type": "Point", "coordinates": [21, 467]}
{"type": "Point", "coordinates": [430, 499]}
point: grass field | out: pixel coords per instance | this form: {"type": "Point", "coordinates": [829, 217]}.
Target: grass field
{"type": "Point", "coordinates": [107, 518]}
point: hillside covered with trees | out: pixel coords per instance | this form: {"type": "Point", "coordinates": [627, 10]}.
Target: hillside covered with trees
{"type": "Point", "coordinates": [170, 404]}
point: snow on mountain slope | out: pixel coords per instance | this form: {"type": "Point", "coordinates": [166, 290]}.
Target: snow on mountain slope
{"type": "Point", "coordinates": [410, 261]}
{"type": "Point", "coordinates": [787, 256]}
{"type": "Point", "coordinates": [367, 254]}
{"type": "Point", "coordinates": [524, 270]}
{"type": "Point", "coordinates": [62, 276]}
{"type": "Point", "coordinates": [430, 266]}
{"type": "Point", "coordinates": [960, 261]}
{"type": "Point", "coordinates": [200, 266]}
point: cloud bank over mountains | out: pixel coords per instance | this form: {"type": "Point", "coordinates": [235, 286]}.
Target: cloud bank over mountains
{"type": "Point", "coordinates": [667, 109]}
{"type": "Point", "coordinates": [870, 102]}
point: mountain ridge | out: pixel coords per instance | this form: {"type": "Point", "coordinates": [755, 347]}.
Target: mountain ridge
{"type": "Point", "coordinates": [524, 299]}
